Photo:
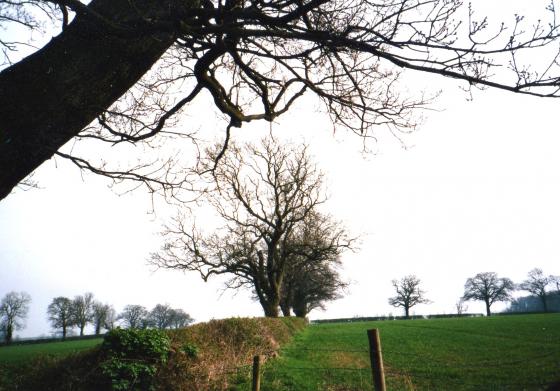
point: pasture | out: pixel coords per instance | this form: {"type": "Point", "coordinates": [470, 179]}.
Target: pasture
{"type": "Point", "coordinates": [14, 354]}
{"type": "Point", "coordinates": [497, 353]}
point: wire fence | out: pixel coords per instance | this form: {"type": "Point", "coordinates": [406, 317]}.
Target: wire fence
{"type": "Point", "coordinates": [353, 369]}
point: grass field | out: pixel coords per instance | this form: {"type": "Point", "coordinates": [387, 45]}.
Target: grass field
{"type": "Point", "coordinates": [19, 353]}
{"type": "Point", "coordinates": [496, 353]}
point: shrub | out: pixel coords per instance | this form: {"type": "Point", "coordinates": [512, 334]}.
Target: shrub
{"type": "Point", "coordinates": [132, 357]}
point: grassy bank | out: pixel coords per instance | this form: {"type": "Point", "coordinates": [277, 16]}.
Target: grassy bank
{"type": "Point", "coordinates": [497, 353]}
{"type": "Point", "coordinates": [201, 357]}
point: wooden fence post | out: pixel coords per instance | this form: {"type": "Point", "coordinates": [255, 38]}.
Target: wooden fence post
{"type": "Point", "coordinates": [256, 373]}
{"type": "Point", "coordinates": [376, 360]}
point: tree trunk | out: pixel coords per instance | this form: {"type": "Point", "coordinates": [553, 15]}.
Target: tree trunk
{"type": "Point", "coordinates": [488, 313]}
{"type": "Point", "coordinates": [50, 96]}
{"type": "Point", "coordinates": [285, 309]}
{"type": "Point", "coordinates": [406, 312]}
{"type": "Point", "coordinates": [300, 311]}
{"type": "Point", "coordinates": [270, 310]}
{"type": "Point", "coordinates": [9, 334]}
{"type": "Point", "coordinates": [64, 332]}
{"type": "Point", "coordinates": [543, 299]}
{"type": "Point", "coordinates": [82, 330]}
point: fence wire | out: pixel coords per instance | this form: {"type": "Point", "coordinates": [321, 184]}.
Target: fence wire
{"type": "Point", "coordinates": [432, 376]}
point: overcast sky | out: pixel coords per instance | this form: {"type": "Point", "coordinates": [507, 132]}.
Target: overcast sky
{"type": "Point", "coordinates": [477, 189]}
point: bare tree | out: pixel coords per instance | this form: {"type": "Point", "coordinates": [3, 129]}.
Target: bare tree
{"type": "Point", "coordinates": [537, 283]}
{"type": "Point", "coordinates": [161, 316]}
{"type": "Point", "coordinates": [100, 313]}
{"type": "Point", "coordinates": [263, 193]}
{"type": "Point", "coordinates": [312, 276]}
{"type": "Point", "coordinates": [180, 319]}
{"type": "Point", "coordinates": [60, 314]}
{"type": "Point", "coordinates": [408, 294]}
{"type": "Point", "coordinates": [461, 306]}
{"type": "Point", "coordinates": [489, 288]}
{"type": "Point", "coordinates": [134, 316]}
{"type": "Point", "coordinates": [255, 59]}
{"type": "Point", "coordinates": [82, 311]}
{"type": "Point", "coordinates": [13, 311]}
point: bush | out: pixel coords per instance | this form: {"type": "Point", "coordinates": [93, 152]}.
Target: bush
{"type": "Point", "coordinates": [132, 357]}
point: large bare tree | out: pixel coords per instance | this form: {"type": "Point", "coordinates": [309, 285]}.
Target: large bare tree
{"type": "Point", "coordinates": [488, 287]}
{"type": "Point", "coordinates": [263, 194]}
{"type": "Point", "coordinates": [122, 72]}
{"type": "Point", "coordinates": [408, 294]}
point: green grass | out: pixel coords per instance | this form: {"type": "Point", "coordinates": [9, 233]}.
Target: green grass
{"type": "Point", "coordinates": [19, 353]}
{"type": "Point", "coordinates": [496, 353]}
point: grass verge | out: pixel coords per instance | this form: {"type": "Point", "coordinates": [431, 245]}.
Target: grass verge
{"type": "Point", "coordinates": [496, 353]}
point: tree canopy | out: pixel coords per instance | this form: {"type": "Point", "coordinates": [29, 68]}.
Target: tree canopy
{"type": "Point", "coordinates": [408, 294]}
{"type": "Point", "coordinates": [13, 312]}
{"type": "Point", "coordinates": [123, 72]}
{"type": "Point", "coordinates": [265, 195]}
{"type": "Point", "coordinates": [488, 287]}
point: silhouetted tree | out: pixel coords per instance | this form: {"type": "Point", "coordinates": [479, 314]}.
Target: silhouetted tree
{"type": "Point", "coordinates": [311, 277]}
{"type": "Point", "coordinates": [180, 319]}
{"type": "Point", "coordinates": [60, 314]}
{"type": "Point", "coordinates": [263, 194]}
{"type": "Point", "coordinates": [537, 284]}
{"type": "Point", "coordinates": [408, 294]}
{"type": "Point", "coordinates": [161, 316]}
{"type": "Point", "coordinates": [13, 311]}
{"type": "Point", "coordinates": [254, 59]}
{"type": "Point", "coordinates": [134, 316]}
{"type": "Point", "coordinates": [489, 288]}
{"type": "Point", "coordinates": [82, 311]}
{"type": "Point", "coordinates": [100, 312]}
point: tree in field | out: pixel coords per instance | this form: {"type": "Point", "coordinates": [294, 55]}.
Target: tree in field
{"type": "Point", "coordinates": [489, 288]}
{"type": "Point", "coordinates": [60, 314]}
{"type": "Point", "coordinates": [134, 316]}
{"type": "Point", "coordinates": [100, 314]}
{"type": "Point", "coordinates": [255, 59]}
{"type": "Point", "coordinates": [537, 284]}
{"type": "Point", "coordinates": [180, 319]}
{"type": "Point", "coordinates": [312, 277]}
{"type": "Point", "coordinates": [161, 316]}
{"type": "Point", "coordinates": [263, 193]}
{"type": "Point", "coordinates": [408, 294]}
{"type": "Point", "coordinates": [82, 311]}
{"type": "Point", "coordinates": [13, 312]}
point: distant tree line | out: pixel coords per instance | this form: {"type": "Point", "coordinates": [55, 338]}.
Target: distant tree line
{"type": "Point", "coordinates": [65, 314]}
{"type": "Point", "coordinates": [489, 288]}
